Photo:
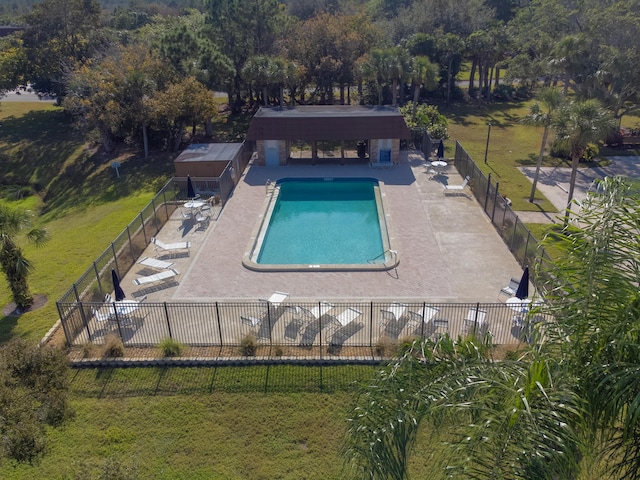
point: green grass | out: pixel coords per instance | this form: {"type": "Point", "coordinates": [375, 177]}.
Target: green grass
{"type": "Point", "coordinates": [279, 422]}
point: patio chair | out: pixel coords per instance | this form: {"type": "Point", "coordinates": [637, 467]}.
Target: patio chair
{"type": "Point", "coordinates": [417, 320]}
{"type": "Point", "coordinates": [511, 289]}
{"type": "Point", "coordinates": [475, 321]}
{"type": "Point", "coordinates": [156, 277]}
{"type": "Point", "coordinates": [315, 312]}
{"type": "Point", "coordinates": [294, 328]}
{"type": "Point", "coordinates": [170, 248]}
{"type": "Point", "coordinates": [202, 219]}
{"type": "Point", "coordinates": [457, 188]}
{"type": "Point", "coordinates": [347, 317]}
{"type": "Point", "coordinates": [252, 322]}
{"type": "Point", "coordinates": [155, 263]}
{"type": "Point", "coordinates": [102, 314]}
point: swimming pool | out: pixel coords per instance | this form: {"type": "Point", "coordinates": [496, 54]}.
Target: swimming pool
{"type": "Point", "coordinates": [322, 224]}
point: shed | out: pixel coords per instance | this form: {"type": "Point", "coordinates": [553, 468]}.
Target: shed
{"type": "Point", "coordinates": [207, 159]}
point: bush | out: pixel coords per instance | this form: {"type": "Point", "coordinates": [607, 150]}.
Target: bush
{"type": "Point", "coordinates": [503, 93]}
{"type": "Point", "coordinates": [35, 386]}
{"type": "Point", "coordinates": [249, 346]}
{"type": "Point", "coordinates": [590, 152]}
{"type": "Point", "coordinates": [171, 348]}
{"type": "Point", "coordinates": [113, 346]}
{"type": "Point", "coordinates": [87, 349]}
{"type": "Point", "coordinates": [386, 347]}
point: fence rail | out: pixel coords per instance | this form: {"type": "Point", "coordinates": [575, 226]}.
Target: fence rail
{"type": "Point", "coordinates": [341, 325]}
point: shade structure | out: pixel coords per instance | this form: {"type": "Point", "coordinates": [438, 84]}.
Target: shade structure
{"type": "Point", "coordinates": [191, 193]}
{"type": "Point", "coordinates": [523, 286]}
{"type": "Point", "coordinates": [119, 293]}
{"type": "Point", "coordinates": [441, 149]}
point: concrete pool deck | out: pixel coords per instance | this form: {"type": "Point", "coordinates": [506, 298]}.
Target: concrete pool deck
{"type": "Point", "coordinates": [448, 249]}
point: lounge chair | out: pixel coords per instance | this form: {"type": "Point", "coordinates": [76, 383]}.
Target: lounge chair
{"type": "Point", "coordinates": [347, 317]}
{"type": "Point", "coordinates": [156, 277]}
{"type": "Point", "coordinates": [170, 248]}
{"type": "Point", "coordinates": [155, 263]}
{"type": "Point", "coordinates": [253, 322]}
{"type": "Point", "coordinates": [457, 188]}
{"type": "Point", "coordinates": [475, 321]}
{"type": "Point", "coordinates": [317, 311]}
{"type": "Point", "coordinates": [511, 289]}
{"type": "Point", "coordinates": [417, 320]}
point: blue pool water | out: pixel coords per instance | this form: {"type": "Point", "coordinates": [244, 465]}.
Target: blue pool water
{"type": "Point", "coordinates": [320, 222]}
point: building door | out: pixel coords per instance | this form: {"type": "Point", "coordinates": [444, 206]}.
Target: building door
{"type": "Point", "coordinates": [271, 157]}
{"type": "Point", "coordinates": [384, 150]}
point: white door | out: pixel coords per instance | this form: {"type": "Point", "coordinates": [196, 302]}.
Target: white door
{"type": "Point", "coordinates": [271, 156]}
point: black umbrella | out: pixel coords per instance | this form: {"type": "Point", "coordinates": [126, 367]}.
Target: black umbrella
{"type": "Point", "coordinates": [441, 149]}
{"type": "Point", "coordinates": [523, 287]}
{"type": "Point", "coordinates": [116, 286]}
{"type": "Point", "coordinates": [191, 193]}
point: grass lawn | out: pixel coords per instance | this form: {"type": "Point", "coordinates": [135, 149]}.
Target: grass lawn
{"type": "Point", "coordinates": [208, 423]}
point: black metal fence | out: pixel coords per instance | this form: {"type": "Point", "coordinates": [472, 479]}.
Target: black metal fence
{"type": "Point", "coordinates": [294, 326]}
{"type": "Point", "coordinates": [522, 244]}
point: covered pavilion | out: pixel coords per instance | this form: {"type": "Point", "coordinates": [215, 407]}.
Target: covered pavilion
{"type": "Point", "coordinates": [370, 133]}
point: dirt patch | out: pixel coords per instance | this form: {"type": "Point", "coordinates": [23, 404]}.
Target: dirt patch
{"type": "Point", "coordinates": [10, 309]}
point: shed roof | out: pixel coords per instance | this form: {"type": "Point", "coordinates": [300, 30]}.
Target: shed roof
{"type": "Point", "coordinates": [209, 152]}
{"type": "Point", "coordinates": [327, 122]}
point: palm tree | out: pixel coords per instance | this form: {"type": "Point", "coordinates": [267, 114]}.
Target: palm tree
{"type": "Point", "coordinates": [423, 72]}
{"type": "Point", "coordinates": [14, 265]}
{"type": "Point", "coordinates": [450, 47]}
{"type": "Point", "coordinates": [552, 99]}
{"type": "Point", "coordinates": [580, 123]}
{"type": "Point", "coordinates": [535, 416]}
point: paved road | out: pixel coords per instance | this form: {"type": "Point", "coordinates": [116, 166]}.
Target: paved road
{"type": "Point", "coordinates": [554, 183]}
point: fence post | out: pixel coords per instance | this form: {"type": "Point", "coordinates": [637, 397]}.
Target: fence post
{"type": "Point", "coordinates": [475, 319]}
{"type": "Point", "coordinates": [133, 254]}
{"type": "Point", "coordinates": [526, 247]}
{"type": "Point", "coordinates": [75, 291]}
{"type": "Point", "coordinates": [144, 231]}
{"type": "Point", "coordinates": [166, 315]}
{"type": "Point", "coordinates": [495, 198]}
{"type": "Point", "coordinates": [219, 325]}
{"type": "Point", "coordinates": [84, 320]}
{"type": "Point", "coordinates": [371, 326]}
{"type": "Point", "coordinates": [486, 195]}
{"type": "Point", "coordinates": [95, 269]}
{"type": "Point", "coordinates": [320, 325]}
{"type": "Point", "coordinates": [67, 335]}
{"type": "Point", "coordinates": [424, 309]}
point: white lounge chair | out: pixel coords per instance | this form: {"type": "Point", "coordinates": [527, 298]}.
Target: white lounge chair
{"type": "Point", "coordinates": [457, 188]}
{"type": "Point", "coordinates": [511, 289]}
{"type": "Point", "coordinates": [170, 247]}
{"type": "Point", "coordinates": [155, 263]}
{"type": "Point", "coordinates": [345, 318]}
{"type": "Point", "coordinates": [156, 277]}
{"type": "Point", "coordinates": [475, 321]}
{"type": "Point", "coordinates": [416, 320]}
{"type": "Point", "coordinates": [317, 311]}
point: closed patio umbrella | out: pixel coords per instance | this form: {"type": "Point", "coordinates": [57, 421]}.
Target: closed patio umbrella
{"type": "Point", "coordinates": [523, 287]}
{"type": "Point", "coordinates": [191, 193]}
{"type": "Point", "coordinates": [441, 149]}
{"type": "Point", "coordinates": [119, 293]}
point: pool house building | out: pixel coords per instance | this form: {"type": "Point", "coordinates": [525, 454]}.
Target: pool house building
{"type": "Point", "coordinates": [285, 135]}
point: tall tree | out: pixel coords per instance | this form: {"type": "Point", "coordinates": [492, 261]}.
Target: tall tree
{"type": "Point", "coordinates": [552, 100]}
{"type": "Point", "coordinates": [423, 73]}
{"type": "Point", "coordinates": [61, 35]}
{"type": "Point", "coordinates": [450, 47]}
{"type": "Point", "coordinates": [15, 266]}
{"type": "Point", "coordinates": [579, 123]}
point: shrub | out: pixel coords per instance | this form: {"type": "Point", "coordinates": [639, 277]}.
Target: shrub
{"type": "Point", "coordinates": [87, 349]}
{"type": "Point", "coordinates": [248, 346]}
{"type": "Point", "coordinates": [503, 93]}
{"type": "Point", "coordinates": [113, 346]}
{"type": "Point", "coordinates": [386, 346]}
{"type": "Point", "coordinates": [590, 152]}
{"type": "Point", "coordinates": [171, 348]}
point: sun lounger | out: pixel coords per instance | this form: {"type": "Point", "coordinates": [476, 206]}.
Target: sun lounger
{"type": "Point", "coordinates": [170, 247]}
{"type": "Point", "coordinates": [157, 277]}
{"type": "Point", "coordinates": [155, 263]}
{"type": "Point", "coordinates": [457, 188]}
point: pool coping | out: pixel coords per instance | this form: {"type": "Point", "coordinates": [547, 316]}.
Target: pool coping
{"type": "Point", "coordinates": [391, 258]}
